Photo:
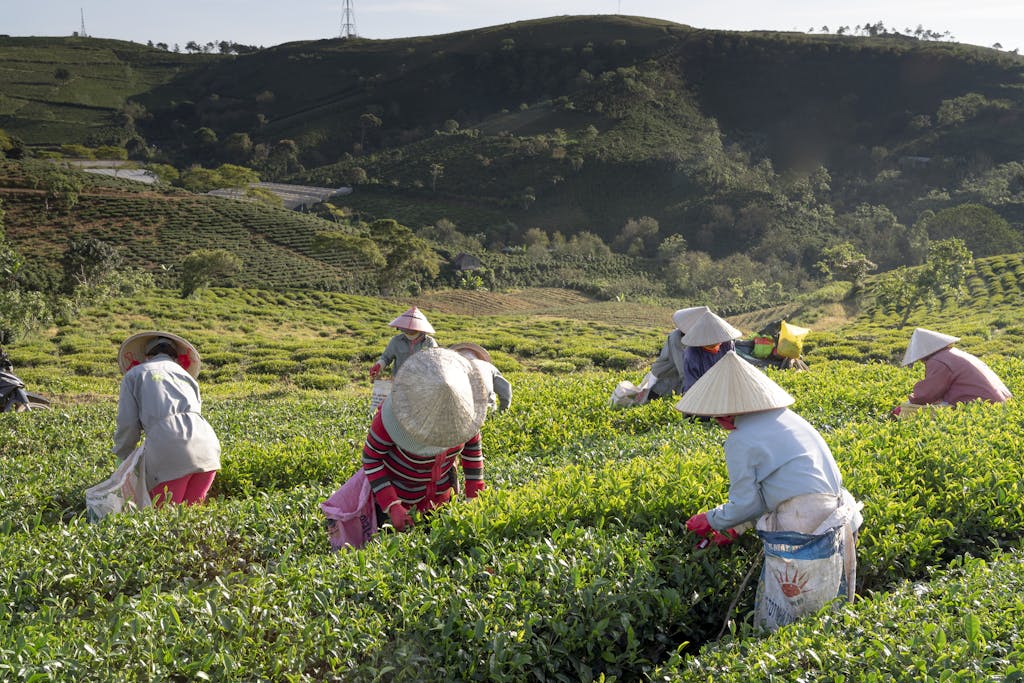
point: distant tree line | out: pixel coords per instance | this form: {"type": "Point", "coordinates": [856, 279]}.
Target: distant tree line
{"type": "Point", "coordinates": [224, 47]}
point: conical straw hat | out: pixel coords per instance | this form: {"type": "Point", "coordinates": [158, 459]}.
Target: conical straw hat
{"type": "Point", "coordinates": [709, 329]}
{"type": "Point", "coordinates": [133, 351]}
{"type": "Point", "coordinates": [924, 343]}
{"type": "Point", "coordinates": [733, 387]}
{"type": "Point", "coordinates": [684, 318]}
{"type": "Point", "coordinates": [475, 349]}
{"type": "Point", "coordinates": [438, 401]}
{"type": "Point", "coordinates": [413, 319]}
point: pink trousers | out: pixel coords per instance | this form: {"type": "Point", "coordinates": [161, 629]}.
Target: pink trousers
{"type": "Point", "coordinates": [189, 489]}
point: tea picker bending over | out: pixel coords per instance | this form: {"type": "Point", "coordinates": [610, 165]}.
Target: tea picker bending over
{"type": "Point", "coordinates": [414, 335]}
{"type": "Point", "coordinates": [160, 396]}
{"type": "Point", "coordinates": [430, 421]}
{"type": "Point", "coordinates": [783, 479]}
{"type": "Point", "coordinates": [707, 341]}
{"type": "Point", "coordinates": [666, 375]}
{"type": "Point", "coordinates": [951, 376]}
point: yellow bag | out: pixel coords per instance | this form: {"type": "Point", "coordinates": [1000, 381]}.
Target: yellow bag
{"type": "Point", "coordinates": [791, 340]}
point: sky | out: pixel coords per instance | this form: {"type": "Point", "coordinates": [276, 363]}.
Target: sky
{"type": "Point", "coordinates": [271, 22]}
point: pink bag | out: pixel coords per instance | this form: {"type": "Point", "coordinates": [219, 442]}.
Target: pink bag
{"type": "Point", "coordinates": [351, 514]}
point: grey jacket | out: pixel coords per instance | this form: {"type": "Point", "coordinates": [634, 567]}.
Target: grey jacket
{"type": "Point", "coordinates": [668, 367]}
{"type": "Point", "coordinates": [400, 348]}
{"type": "Point", "coordinates": [501, 388]}
{"type": "Point", "coordinates": [160, 398]}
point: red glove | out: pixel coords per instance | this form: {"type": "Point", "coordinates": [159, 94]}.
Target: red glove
{"type": "Point", "coordinates": [400, 517]}
{"type": "Point", "coordinates": [727, 538]}
{"type": "Point", "coordinates": [375, 371]}
{"type": "Point", "coordinates": [699, 524]}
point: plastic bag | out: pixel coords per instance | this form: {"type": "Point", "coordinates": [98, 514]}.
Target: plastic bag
{"type": "Point", "coordinates": [124, 490]}
{"type": "Point", "coordinates": [791, 340]}
{"type": "Point", "coordinates": [762, 347]}
{"type": "Point", "coordinates": [624, 395]}
{"type": "Point", "coordinates": [351, 514]}
{"type": "Point", "coordinates": [627, 394]}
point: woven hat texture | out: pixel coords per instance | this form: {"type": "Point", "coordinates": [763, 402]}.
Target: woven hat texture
{"type": "Point", "coordinates": [684, 318]}
{"type": "Point", "coordinates": [475, 349]}
{"type": "Point", "coordinates": [133, 350]}
{"type": "Point", "coordinates": [413, 319]}
{"type": "Point", "coordinates": [708, 330]}
{"type": "Point", "coordinates": [924, 343]}
{"type": "Point", "coordinates": [438, 401]}
{"type": "Point", "coordinates": [733, 387]}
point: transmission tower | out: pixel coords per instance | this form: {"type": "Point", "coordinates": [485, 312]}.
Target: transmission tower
{"type": "Point", "coordinates": [348, 20]}
{"type": "Point", "coordinates": [81, 31]}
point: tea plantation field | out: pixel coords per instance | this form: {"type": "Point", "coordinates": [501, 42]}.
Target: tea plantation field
{"type": "Point", "coordinates": [572, 566]}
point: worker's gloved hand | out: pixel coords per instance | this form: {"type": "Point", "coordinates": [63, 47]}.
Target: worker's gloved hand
{"type": "Point", "coordinates": [699, 524]}
{"type": "Point", "coordinates": [400, 517]}
{"type": "Point", "coordinates": [727, 538]}
{"type": "Point", "coordinates": [375, 371]}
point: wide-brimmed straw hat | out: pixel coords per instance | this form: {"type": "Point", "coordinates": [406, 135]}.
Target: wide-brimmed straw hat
{"type": "Point", "coordinates": [733, 387]}
{"type": "Point", "coordinates": [684, 318]}
{"type": "Point", "coordinates": [708, 330]}
{"type": "Point", "coordinates": [438, 401]}
{"type": "Point", "coordinates": [135, 348]}
{"type": "Point", "coordinates": [924, 343]}
{"type": "Point", "coordinates": [475, 349]}
{"type": "Point", "coordinates": [413, 319]}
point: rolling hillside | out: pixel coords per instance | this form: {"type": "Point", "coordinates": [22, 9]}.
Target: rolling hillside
{"type": "Point", "coordinates": [569, 123]}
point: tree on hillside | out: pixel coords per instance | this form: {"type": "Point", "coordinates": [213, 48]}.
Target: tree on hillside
{"type": "Point", "coordinates": [231, 175]}
{"type": "Point", "coordinates": [203, 267]}
{"type": "Point", "coordinates": [62, 189]}
{"type": "Point", "coordinates": [875, 230]}
{"type": "Point", "coordinates": [363, 248]}
{"type": "Point", "coordinates": [367, 121]}
{"type": "Point", "coordinates": [436, 171]}
{"type": "Point", "coordinates": [19, 310]}
{"type": "Point", "coordinates": [86, 260]}
{"type": "Point", "coordinates": [238, 148]}
{"type": "Point", "coordinates": [904, 290]}
{"type": "Point", "coordinates": [843, 260]}
{"type": "Point", "coordinates": [984, 231]}
{"type": "Point", "coordinates": [199, 179]}
{"type": "Point", "coordinates": [410, 262]}
{"type": "Point", "coordinates": [639, 237]}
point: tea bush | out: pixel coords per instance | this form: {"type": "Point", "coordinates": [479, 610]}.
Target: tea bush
{"type": "Point", "coordinates": [572, 565]}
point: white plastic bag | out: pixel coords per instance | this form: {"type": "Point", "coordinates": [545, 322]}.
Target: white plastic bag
{"type": "Point", "coordinates": [624, 395]}
{"type": "Point", "coordinates": [627, 394]}
{"type": "Point", "coordinates": [125, 489]}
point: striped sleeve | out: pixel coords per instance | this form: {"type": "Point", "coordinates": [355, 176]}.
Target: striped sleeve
{"type": "Point", "coordinates": [472, 459]}
{"type": "Point", "coordinates": [378, 445]}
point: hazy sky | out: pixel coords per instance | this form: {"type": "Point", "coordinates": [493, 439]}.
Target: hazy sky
{"type": "Point", "coordinates": [271, 22]}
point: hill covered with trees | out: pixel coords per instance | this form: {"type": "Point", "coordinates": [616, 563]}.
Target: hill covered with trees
{"type": "Point", "coordinates": [690, 163]}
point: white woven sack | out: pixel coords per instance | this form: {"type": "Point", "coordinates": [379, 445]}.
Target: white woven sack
{"type": "Point", "coordinates": [124, 490]}
{"type": "Point", "coordinates": [381, 390]}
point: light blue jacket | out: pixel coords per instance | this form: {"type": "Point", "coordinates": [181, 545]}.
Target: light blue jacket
{"type": "Point", "coordinates": [772, 456]}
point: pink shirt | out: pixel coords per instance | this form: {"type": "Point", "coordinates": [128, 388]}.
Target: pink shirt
{"type": "Point", "coordinates": [955, 376]}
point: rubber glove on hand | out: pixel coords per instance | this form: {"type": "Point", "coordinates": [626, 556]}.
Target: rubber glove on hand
{"type": "Point", "coordinates": [699, 524]}
{"type": "Point", "coordinates": [727, 538]}
{"type": "Point", "coordinates": [375, 371]}
{"type": "Point", "coordinates": [400, 517]}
